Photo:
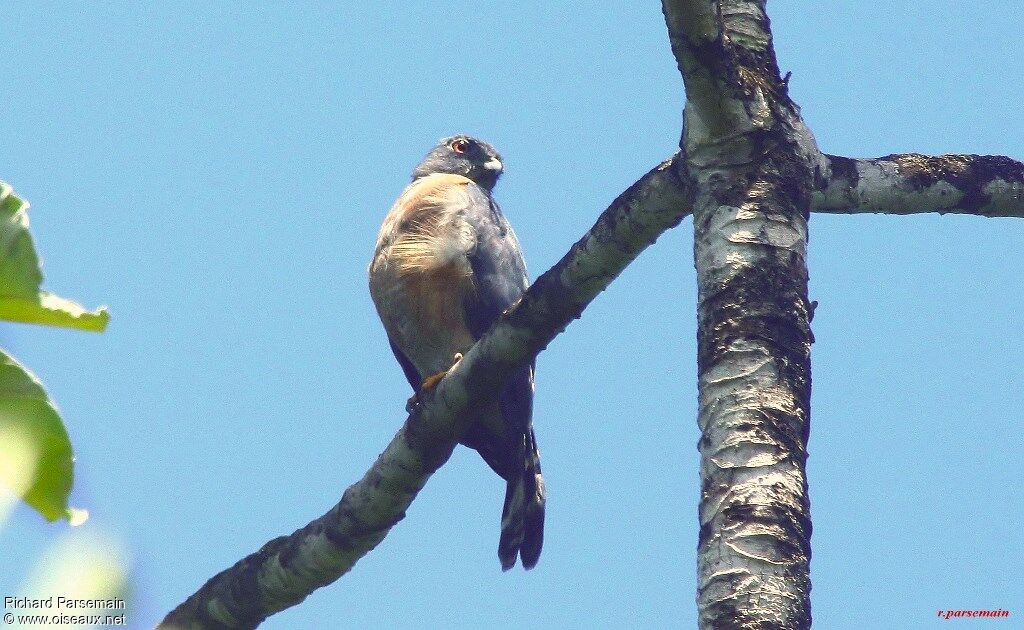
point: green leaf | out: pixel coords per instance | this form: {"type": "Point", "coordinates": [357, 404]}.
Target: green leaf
{"type": "Point", "coordinates": [21, 299]}
{"type": "Point", "coordinates": [35, 452]}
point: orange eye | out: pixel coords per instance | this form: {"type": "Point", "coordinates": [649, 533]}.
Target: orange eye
{"type": "Point", "coordinates": [460, 146]}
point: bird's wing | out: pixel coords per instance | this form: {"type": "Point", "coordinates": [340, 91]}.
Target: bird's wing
{"type": "Point", "coordinates": [411, 374]}
{"type": "Point", "coordinates": [499, 280]}
{"type": "Point", "coordinates": [499, 272]}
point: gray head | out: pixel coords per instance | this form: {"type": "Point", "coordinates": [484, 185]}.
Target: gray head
{"type": "Point", "coordinates": [463, 155]}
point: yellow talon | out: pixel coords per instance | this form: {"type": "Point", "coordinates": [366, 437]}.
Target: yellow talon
{"type": "Point", "coordinates": [430, 383]}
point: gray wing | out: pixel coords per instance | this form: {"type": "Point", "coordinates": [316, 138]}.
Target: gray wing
{"type": "Point", "coordinates": [499, 280]}
{"type": "Point", "coordinates": [499, 272]}
{"type": "Point", "coordinates": [411, 373]}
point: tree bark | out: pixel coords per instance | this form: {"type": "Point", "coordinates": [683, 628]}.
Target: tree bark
{"type": "Point", "coordinates": [754, 165]}
{"type": "Point", "coordinates": [983, 185]}
{"type": "Point", "coordinates": [756, 170]}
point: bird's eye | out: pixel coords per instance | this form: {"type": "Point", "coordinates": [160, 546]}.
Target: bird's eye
{"type": "Point", "coordinates": [460, 146]}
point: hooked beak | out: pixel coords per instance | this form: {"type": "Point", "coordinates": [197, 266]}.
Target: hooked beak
{"type": "Point", "coordinates": [493, 164]}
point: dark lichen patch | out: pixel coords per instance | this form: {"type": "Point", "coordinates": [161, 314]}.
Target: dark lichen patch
{"type": "Point", "coordinates": [767, 302]}
{"type": "Point", "coordinates": [241, 597]}
{"type": "Point", "coordinates": [844, 170]}
{"type": "Point", "coordinates": [968, 174]}
{"type": "Point", "coordinates": [992, 167]}
{"type": "Point", "coordinates": [923, 171]}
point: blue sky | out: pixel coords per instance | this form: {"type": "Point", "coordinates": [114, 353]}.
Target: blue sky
{"type": "Point", "coordinates": [216, 173]}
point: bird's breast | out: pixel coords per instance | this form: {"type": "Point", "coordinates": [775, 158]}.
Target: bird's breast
{"type": "Point", "coordinates": [420, 275]}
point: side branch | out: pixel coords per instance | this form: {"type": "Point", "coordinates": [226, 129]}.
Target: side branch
{"type": "Point", "coordinates": [287, 569]}
{"type": "Point", "coordinates": [985, 185]}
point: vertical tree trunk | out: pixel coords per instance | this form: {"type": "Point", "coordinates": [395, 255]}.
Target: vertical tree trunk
{"type": "Point", "coordinates": [754, 164]}
{"type": "Point", "coordinates": [754, 398]}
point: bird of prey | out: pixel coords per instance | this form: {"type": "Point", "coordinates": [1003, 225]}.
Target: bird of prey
{"type": "Point", "coordinates": [446, 265]}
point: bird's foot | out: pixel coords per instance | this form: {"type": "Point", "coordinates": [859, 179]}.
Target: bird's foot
{"type": "Point", "coordinates": [430, 383]}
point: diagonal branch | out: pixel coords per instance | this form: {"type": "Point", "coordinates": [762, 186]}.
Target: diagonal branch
{"type": "Point", "coordinates": [287, 569]}
{"type": "Point", "coordinates": [985, 185]}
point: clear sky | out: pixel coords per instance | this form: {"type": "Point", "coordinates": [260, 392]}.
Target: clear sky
{"type": "Point", "coordinates": [216, 173]}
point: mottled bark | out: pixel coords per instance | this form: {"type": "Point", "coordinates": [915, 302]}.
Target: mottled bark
{"type": "Point", "coordinates": [754, 165]}
{"type": "Point", "coordinates": [287, 569]}
{"type": "Point", "coordinates": [757, 172]}
{"type": "Point", "coordinates": [984, 185]}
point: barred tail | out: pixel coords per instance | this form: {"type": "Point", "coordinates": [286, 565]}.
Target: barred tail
{"type": "Point", "coordinates": [522, 518]}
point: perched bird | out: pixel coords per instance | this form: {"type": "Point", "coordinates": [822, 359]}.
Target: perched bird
{"type": "Point", "coordinates": [447, 263]}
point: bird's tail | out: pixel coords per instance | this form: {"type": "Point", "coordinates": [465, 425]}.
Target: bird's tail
{"type": "Point", "coordinates": [522, 518]}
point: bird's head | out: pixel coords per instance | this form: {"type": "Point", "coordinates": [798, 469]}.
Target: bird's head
{"type": "Point", "coordinates": [463, 155]}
